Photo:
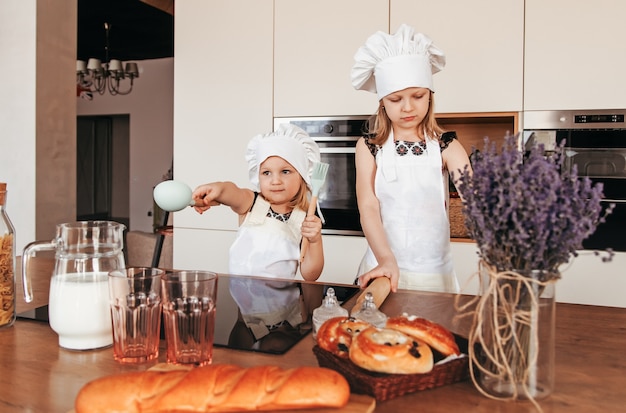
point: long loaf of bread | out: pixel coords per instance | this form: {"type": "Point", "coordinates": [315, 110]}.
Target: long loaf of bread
{"type": "Point", "coordinates": [215, 388]}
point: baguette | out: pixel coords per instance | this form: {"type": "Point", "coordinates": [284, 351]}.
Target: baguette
{"type": "Point", "coordinates": [215, 388]}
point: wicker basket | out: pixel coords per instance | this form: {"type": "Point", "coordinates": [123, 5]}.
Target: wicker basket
{"type": "Point", "coordinates": [457, 219]}
{"type": "Point", "coordinates": [388, 386]}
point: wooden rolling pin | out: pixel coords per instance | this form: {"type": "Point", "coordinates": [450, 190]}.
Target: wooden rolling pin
{"type": "Point", "coordinates": [379, 287]}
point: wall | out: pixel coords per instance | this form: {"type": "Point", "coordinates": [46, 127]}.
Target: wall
{"type": "Point", "coordinates": [37, 81]}
{"type": "Point", "coordinates": [587, 280]}
{"type": "Point", "coordinates": [150, 107]}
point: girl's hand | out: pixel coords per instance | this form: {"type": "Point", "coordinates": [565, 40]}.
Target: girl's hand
{"type": "Point", "coordinates": [312, 229]}
{"type": "Point", "coordinates": [204, 196]}
{"type": "Point", "coordinates": [387, 269]}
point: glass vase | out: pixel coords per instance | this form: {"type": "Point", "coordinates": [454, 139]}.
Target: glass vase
{"type": "Point", "coordinates": [514, 331]}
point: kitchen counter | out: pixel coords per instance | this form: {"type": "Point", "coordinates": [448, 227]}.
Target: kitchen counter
{"type": "Point", "coordinates": [38, 376]}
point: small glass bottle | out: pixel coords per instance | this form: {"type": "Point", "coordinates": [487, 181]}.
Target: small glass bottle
{"type": "Point", "coordinates": [369, 313]}
{"type": "Point", "coordinates": [7, 264]}
{"type": "Point", "coordinates": [330, 308]}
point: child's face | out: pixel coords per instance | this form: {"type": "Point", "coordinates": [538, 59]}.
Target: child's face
{"type": "Point", "coordinates": [407, 108]}
{"type": "Point", "coordinates": [278, 180]}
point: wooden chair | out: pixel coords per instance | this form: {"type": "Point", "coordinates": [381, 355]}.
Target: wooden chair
{"type": "Point", "coordinates": [141, 250]}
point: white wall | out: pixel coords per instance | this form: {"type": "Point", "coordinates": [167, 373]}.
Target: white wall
{"type": "Point", "coordinates": [18, 115]}
{"type": "Point", "coordinates": [37, 81]}
{"type": "Point", "coordinates": [151, 109]}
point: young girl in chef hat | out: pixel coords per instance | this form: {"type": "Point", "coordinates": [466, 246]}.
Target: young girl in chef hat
{"type": "Point", "coordinates": [273, 222]}
{"type": "Point", "coordinates": [402, 165]}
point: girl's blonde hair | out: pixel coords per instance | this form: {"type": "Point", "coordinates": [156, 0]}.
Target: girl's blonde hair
{"type": "Point", "coordinates": [380, 125]}
{"type": "Point", "coordinates": [301, 200]}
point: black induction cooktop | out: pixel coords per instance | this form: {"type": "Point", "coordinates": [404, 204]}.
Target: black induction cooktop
{"type": "Point", "coordinates": [232, 332]}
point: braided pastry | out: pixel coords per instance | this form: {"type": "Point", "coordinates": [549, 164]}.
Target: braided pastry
{"type": "Point", "coordinates": [389, 351]}
{"type": "Point", "coordinates": [433, 334]}
{"type": "Point", "coordinates": [336, 334]}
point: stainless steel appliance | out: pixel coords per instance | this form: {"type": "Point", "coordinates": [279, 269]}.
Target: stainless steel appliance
{"type": "Point", "coordinates": [595, 141]}
{"type": "Point", "coordinates": [337, 137]}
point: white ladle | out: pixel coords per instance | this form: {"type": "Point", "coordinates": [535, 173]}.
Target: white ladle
{"type": "Point", "coordinates": [173, 196]}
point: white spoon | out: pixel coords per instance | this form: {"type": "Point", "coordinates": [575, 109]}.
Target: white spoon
{"type": "Point", "coordinates": [173, 196]}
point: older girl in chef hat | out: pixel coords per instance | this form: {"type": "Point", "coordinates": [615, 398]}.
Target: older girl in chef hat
{"type": "Point", "coordinates": [402, 165]}
{"type": "Point", "coordinates": [273, 222]}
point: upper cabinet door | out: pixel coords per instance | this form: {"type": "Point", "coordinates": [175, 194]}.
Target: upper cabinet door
{"type": "Point", "coordinates": [484, 45]}
{"type": "Point", "coordinates": [314, 47]}
{"type": "Point", "coordinates": [222, 96]}
{"type": "Point", "coordinates": [575, 55]}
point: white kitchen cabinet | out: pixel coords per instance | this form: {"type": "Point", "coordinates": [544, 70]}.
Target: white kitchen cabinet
{"type": "Point", "coordinates": [579, 281]}
{"type": "Point", "coordinates": [222, 97]}
{"type": "Point", "coordinates": [208, 250]}
{"type": "Point", "coordinates": [575, 55]}
{"type": "Point", "coordinates": [314, 47]}
{"type": "Point", "coordinates": [484, 43]}
{"type": "Point", "coordinates": [342, 256]}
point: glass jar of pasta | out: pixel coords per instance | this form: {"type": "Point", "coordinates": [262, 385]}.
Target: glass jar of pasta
{"type": "Point", "coordinates": [7, 264]}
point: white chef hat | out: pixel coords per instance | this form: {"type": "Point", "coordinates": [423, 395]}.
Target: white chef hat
{"type": "Point", "coordinates": [388, 63]}
{"type": "Point", "coordinates": [290, 143]}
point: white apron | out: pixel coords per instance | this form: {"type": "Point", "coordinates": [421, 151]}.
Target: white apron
{"type": "Point", "coordinates": [413, 204]}
{"type": "Point", "coordinates": [264, 302]}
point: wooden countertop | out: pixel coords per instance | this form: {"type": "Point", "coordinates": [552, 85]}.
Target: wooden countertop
{"type": "Point", "coordinates": [38, 376]}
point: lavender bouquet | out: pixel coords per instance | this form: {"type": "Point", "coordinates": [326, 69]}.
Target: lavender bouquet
{"type": "Point", "coordinates": [528, 214]}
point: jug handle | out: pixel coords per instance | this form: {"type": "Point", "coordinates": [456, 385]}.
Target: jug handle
{"type": "Point", "coordinates": [30, 250]}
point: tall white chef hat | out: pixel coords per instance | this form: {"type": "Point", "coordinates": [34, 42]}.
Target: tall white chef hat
{"type": "Point", "coordinates": [290, 143]}
{"type": "Point", "coordinates": [389, 63]}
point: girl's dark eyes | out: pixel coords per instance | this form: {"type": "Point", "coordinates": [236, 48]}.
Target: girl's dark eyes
{"type": "Point", "coordinates": [284, 172]}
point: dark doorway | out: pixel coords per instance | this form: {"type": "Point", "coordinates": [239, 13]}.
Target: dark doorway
{"type": "Point", "coordinates": [102, 168]}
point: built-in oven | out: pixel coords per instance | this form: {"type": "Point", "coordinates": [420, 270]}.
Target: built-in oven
{"type": "Point", "coordinates": [336, 137]}
{"type": "Point", "coordinates": [595, 142]}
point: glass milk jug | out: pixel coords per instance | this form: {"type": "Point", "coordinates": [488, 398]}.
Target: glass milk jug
{"type": "Point", "coordinates": [78, 306]}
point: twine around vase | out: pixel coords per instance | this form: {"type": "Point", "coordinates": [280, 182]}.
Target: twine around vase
{"type": "Point", "coordinates": [504, 288]}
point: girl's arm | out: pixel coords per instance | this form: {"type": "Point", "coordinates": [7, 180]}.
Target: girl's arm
{"type": "Point", "coordinates": [369, 209]}
{"type": "Point", "coordinates": [313, 263]}
{"type": "Point", "coordinates": [455, 159]}
{"type": "Point", "coordinates": [226, 193]}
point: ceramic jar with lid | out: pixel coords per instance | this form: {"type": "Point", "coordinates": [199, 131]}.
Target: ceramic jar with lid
{"type": "Point", "coordinates": [7, 263]}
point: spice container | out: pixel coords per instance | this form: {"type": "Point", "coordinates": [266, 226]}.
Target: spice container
{"type": "Point", "coordinates": [7, 264]}
{"type": "Point", "coordinates": [370, 313]}
{"type": "Point", "coordinates": [330, 308]}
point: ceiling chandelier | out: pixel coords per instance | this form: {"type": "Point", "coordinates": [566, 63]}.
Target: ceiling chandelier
{"type": "Point", "coordinates": [100, 77]}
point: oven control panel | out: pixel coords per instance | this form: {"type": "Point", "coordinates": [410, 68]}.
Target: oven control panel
{"type": "Point", "coordinates": [601, 118]}
{"type": "Point", "coordinates": [337, 126]}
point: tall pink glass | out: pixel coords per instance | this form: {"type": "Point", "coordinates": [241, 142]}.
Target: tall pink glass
{"type": "Point", "coordinates": [189, 316]}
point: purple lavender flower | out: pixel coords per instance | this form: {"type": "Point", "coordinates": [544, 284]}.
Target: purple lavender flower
{"type": "Point", "coordinates": [525, 211]}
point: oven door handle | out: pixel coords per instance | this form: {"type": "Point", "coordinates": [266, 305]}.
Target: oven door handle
{"type": "Point", "coordinates": [337, 150]}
